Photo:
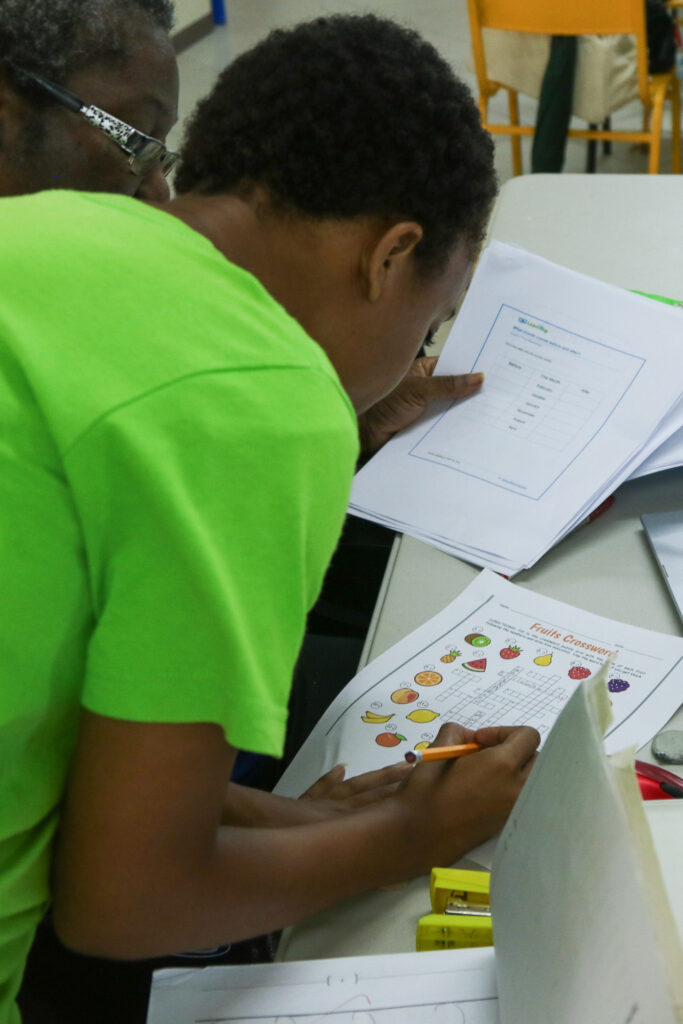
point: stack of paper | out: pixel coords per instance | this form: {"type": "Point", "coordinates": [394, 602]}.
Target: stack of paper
{"type": "Point", "coordinates": [582, 925]}
{"type": "Point", "coordinates": [583, 382]}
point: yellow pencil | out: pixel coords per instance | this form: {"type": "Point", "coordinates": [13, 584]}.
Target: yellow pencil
{"type": "Point", "coordinates": [441, 753]}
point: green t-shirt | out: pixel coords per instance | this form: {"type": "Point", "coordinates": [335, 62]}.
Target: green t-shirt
{"type": "Point", "coordinates": [175, 460]}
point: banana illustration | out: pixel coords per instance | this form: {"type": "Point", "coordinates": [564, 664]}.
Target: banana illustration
{"type": "Point", "coordinates": [374, 719]}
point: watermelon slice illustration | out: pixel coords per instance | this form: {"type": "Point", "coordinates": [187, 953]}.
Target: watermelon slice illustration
{"type": "Point", "coordinates": [478, 665]}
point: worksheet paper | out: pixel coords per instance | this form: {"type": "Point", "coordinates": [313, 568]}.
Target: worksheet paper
{"type": "Point", "coordinates": [499, 654]}
{"type": "Point", "coordinates": [445, 987]}
{"type": "Point", "coordinates": [583, 928]}
{"type": "Point", "coordinates": [583, 380]}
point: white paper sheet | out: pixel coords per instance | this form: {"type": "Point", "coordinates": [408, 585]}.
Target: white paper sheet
{"type": "Point", "coordinates": [582, 382]}
{"type": "Point", "coordinates": [446, 987]}
{"type": "Point", "coordinates": [582, 928]}
{"type": "Point", "coordinates": [499, 654]}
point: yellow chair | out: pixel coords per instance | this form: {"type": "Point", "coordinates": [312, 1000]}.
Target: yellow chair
{"type": "Point", "coordinates": [577, 18]}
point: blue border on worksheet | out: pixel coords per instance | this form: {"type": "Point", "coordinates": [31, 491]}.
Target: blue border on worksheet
{"type": "Point", "coordinates": [502, 487]}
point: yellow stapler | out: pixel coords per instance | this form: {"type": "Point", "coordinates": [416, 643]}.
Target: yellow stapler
{"type": "Point", "coordinates": [461, 911]}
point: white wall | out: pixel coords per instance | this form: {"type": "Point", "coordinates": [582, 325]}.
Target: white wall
{"type": "Point", "coordinates": [189, 11]}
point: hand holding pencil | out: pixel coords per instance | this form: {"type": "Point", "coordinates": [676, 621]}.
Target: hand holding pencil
{"type": "Point", "coordinates": [465, 786]}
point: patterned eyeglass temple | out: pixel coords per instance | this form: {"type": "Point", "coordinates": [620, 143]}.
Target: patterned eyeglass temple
{"type": "Point", "coordinates": [143, 151]}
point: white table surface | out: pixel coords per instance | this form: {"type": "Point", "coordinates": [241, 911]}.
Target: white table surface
{"type": "Point", "coordinates": [625, 229]}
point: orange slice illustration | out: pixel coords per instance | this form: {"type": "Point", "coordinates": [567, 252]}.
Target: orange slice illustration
{"type": "Point", "coordinates": [428, 678]}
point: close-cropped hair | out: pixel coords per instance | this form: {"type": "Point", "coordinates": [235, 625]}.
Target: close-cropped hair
{"type": "Point", "coordinates": [343, 117]}
{"type": "Point", "coordinates": [57, 37]}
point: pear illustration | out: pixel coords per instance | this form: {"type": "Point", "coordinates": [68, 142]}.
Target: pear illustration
{"type": "Point", "coordinates": [543, 659]}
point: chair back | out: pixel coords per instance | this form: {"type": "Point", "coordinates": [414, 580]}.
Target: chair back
{"type": "Point", "coordinates": [559, 18]}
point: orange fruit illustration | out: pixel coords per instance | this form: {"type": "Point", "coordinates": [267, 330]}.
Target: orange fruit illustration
{"type": "Point", "coordinates": [428, 678]}
{"type": "Point", "coordinates": [389, 739]}
{"type": "Point", "coordinates": [404, 695]}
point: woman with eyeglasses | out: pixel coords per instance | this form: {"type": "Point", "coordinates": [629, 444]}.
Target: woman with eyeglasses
{"type": "Point", "coordinates": [88, 93]}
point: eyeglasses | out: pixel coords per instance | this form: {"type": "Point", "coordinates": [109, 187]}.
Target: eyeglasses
{"type": "Point", "coordinates": [143, 151]}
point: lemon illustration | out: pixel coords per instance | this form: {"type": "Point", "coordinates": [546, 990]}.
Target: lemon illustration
{"type": "Point", "coordinates": [543, 659]}
{"type": "Point", "coordinates": [422, 715]}
{"type": "Point", "coordinates": [422, 745]}
{"type": "Point", "coordinates": [374, 719]}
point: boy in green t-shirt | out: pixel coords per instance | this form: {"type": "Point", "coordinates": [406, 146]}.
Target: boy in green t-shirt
{"type": "Point", "coordinates": [178, 438]}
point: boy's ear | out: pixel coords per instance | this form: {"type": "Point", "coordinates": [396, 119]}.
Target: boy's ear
{"type": "Point", "coordinates": [390, 255]}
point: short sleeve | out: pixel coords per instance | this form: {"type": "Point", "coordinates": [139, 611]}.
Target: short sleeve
{"type": "Point", "coordinates": [210, 509]}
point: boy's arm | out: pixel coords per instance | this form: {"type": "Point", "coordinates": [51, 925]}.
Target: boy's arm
{"type": "Point", "coordinates": [144, 866]}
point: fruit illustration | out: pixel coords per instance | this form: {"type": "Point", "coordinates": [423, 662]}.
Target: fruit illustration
{"type": "Point", "coordinates": [404, 695]}
{"type": "Point", "coordinates": [478, 665]}
{"type": "Point", "coordinates": [422, 715]}
{"type": "Point", "coordinates": [578, 672]}
{"type": "Point", "coordinates": [372, 719]}
{"type": "Point", "coordinates": [477, 640]}
{"type": "Point", "coordinates": [543, 659]}
{"type": "Point", "coordinates": [422, 745]}
{"type": "Point", "coordinates": [617, 685]}
{"type": "Point", "coordinates": [510, 652]}
{"type": "Point", "coordinates": [389, 739]}
{"type": "Point", "coordinates": [427, 678]}
{"type": "Point", "coordinates": [451, 656]}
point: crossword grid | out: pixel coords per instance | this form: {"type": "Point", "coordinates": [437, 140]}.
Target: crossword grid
{"type": "Point", "coordinates": [523, 694]}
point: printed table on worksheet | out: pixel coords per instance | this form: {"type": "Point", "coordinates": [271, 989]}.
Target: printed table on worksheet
{"type": "Point", "coordinates": [547, 393]}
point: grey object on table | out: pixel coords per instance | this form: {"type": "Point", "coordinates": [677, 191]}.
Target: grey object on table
{"type": "Point", "coordinates": [667, 746]}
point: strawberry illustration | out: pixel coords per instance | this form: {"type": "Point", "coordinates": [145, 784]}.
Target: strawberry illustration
{"type": "Point", "coordinates": [510, 652]}
{"type": "Point", "coordinates": [579, 672]}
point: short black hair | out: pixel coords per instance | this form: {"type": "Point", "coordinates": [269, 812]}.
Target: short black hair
{"type": "Point", "coordinates": [346, 116]}
{"type": "Point", "coordinates": [54, 38]}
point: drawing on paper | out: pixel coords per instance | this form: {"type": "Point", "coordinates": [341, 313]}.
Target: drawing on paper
{"type": "Point", "coordinates": [404, 695]}
{"type": "Point", "coordinates": [478, 665]}
{"type": "Point", "coordinates": [389, 739]}
{"type": "Point", "coordinates": [477, 640]}
{"type": "Point", "coordinates": [422, 715]}
{"type": "Point", "coordinates": [428, 678]}
{"type": "Point", "coordinates": [451, 656]}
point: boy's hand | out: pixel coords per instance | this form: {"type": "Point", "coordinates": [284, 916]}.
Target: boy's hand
{"type": "Point", "coordinates": [337, 795]}
{"type": "Point", "coordinates": [453, 805]}
{"type": "Point", "coordinates": [408, 401]}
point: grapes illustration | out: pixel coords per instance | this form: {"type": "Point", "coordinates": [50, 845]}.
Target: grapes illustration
{"type": "Point", "coordinates": [617, 685]}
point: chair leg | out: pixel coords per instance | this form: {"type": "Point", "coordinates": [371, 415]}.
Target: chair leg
{"type": "Point", "coordinates": [591, 152]}
{"type": "Point", "coordinates": [656, 134]}
{"type": "Point", "coordinates": [607, 143]}
{"type": "Point", "coordinates": [515, 140]}
{"type": "Point", "coordinates": [676, 125]}
{"type": "Point", "coordinates": [643, 146]}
